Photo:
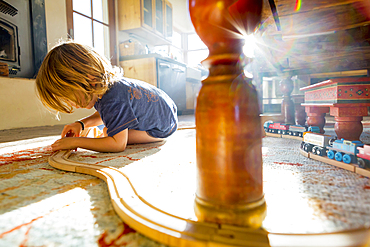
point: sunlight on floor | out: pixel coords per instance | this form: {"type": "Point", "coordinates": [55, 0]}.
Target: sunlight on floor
{"type": "Point", "coordinates": [265, 150]}
{"type": "Point", "coordinates": [70, 211]}
{"type": "Point", "coordinates": [10, 147]}
{"type": "Point", "coordinates": [169, 183]}
{"type": "Point", "coordinates": [283, 206]}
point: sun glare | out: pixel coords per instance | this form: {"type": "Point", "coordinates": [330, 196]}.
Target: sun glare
{"type": "Point", "coordinates": [249, 46]}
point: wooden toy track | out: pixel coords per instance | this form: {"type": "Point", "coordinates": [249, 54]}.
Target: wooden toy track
{"type": "Point", "coordinates": [176, 231]}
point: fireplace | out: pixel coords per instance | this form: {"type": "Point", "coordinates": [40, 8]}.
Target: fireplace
{"type": "Point", "coordinates": [9, 47]}
{"type": "Point", "coordinates": [22, 36]}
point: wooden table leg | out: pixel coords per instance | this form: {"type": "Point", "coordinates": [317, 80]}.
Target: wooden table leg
{"type": "Point", "coordinates": [316, 116]}
{"type": "Point", "coordinates": [228, 126]}
{"type": "Point", "coordinates": [348, 128]}
{"type": "Point", "coordinates": [300, 114]}
{"type": "Point", "coordinates": [348, 121]}
{"type": "Point", "coordinates": [287, 105]}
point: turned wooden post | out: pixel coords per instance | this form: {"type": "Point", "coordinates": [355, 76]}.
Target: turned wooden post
{"type": "Point", "coordinates": [348, 123]}
{"type": "Point", "coordinates": [316, 116]}
{"type": "Point", "coordinates": [228, 127]}
{"type": "Point", "coordinates": [287, 105]}
{"type": "Point", "coordinates": [300, 114]}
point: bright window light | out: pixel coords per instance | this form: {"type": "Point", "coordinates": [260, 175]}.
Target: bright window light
{"type": "Point", "coordinates": [249, 46]}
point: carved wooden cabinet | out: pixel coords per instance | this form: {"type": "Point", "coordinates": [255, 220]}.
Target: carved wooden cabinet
{"type": "Point", "coordinates": [143, 69]}
{"type": "Point", "coordinates": [148, 19]}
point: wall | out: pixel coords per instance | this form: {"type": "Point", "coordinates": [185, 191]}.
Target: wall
{"type": "Point", "coordinates": [181, 18]}
{"type": "Point", "coordinates": [56, 21]}
{"type": "Point", "coordinates": [19, 105]}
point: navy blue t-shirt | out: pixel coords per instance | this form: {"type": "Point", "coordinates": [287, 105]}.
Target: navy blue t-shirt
{"type": "Point", "coordinates": [133, 104]}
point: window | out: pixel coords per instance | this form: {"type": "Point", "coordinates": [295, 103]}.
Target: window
{"type": "Point", "coordinates": [197, 51]}
{"type": "Point", "coordinates": [176, 50]}
{"type": "Point", "coordinates": [177, 39]}
{"type": "Point", "coordinates": [92, 22]}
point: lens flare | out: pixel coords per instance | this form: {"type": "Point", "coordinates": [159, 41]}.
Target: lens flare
{"type": "Point", "coordinates": [298, 4]}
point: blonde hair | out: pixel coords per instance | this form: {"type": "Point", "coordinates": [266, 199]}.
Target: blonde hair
{"type": "Point", "coordinates": [64, 74]}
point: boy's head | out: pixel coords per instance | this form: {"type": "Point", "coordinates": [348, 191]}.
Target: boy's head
{"type": "Point", "coordinates": [65, 76]}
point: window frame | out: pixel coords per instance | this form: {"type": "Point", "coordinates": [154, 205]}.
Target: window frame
{"type": "Point", "coordinates": [111, 25]}
{"type": "Point", "coordinates": [186, 49]}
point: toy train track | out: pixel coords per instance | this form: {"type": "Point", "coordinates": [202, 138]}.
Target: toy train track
{"type": "Point", "coordinates": [173, 230]}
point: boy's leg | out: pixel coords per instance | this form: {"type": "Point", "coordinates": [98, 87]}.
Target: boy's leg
{"type": "Point", "coordinates": [137, 136]}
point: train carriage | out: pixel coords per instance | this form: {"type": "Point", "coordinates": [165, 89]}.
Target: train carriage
{"type": "Point", "coordinates": [316, 143]}
{"type": "Point", "coordinates": [298, 130]}
{"type": "Point", "coordinates": [279, 128]}
{"type": "Point", "coordinates": [363, 156]}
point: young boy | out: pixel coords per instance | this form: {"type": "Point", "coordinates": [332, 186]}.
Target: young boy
{"type": "Point", "coordinates": [74, 75]}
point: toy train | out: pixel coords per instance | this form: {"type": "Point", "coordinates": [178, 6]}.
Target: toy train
{"type": "Point", "coordinates": [363, 156]}
{"type": "Point", "coordinates": [340, 150]}
{"type": "Point", "coordinates": [288, 129]}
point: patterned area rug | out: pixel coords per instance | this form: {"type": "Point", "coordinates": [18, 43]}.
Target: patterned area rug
{"type": "Point", "coordinates": [43, 206]}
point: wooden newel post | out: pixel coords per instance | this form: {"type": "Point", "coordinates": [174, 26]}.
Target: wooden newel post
{"type": "Point", "coordinates": [287, 105]}
{"type": "Point", "coordinates": [228, 127]}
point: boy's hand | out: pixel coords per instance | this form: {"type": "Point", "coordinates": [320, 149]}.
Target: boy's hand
{"type": "Point", "coordinates": [71, 130]}
{"type": "Point", "coordinates": [64, 144]}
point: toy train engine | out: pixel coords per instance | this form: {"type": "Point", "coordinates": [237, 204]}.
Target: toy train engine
{"type": "Point", "coordinates": [266, 125]}
{"type": "Point", "coordinates": [363, 156]}
{"type": "Point", "coordinates": [344, 150]}
{"type": "Point", "coordinates": [316, 143]}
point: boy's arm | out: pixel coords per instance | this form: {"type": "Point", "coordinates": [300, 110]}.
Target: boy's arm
{"type": "Point", "coordinates": [76, 128]}
{"type": "Point", "coordinates": [92, 120]}
{"type": "Point", "coordinates": [116, 143]}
